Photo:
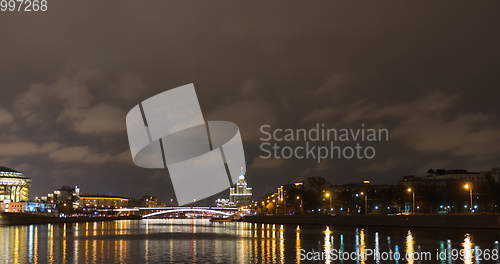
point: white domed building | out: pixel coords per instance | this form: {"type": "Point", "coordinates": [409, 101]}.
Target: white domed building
{"type": "Point", "coordinates": [14, 185]}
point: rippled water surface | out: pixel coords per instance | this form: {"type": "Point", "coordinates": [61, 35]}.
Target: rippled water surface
{"type": "Point", "coordinates": [199, 241]}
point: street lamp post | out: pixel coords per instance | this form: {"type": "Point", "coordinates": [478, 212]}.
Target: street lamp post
{"type": "Point", "coordinates": [410, 190]}
{"type": "Point", "coordinates": [329, 196]}
{"type": "Point", "coordinates": [281, 194]}
{"type": "Point", "coordinates": [275, 205]}
{"type": "Point", "coordinates": [300, 204]}
{"type": "Point", "coordinates": [366, 202]}
{"type": "Point", "coordinates": [284, 202]}
{"type": "Point", "coordinates": [468, 187]}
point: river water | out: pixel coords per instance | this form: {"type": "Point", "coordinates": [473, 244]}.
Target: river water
{"type": "Point", "coordinates": [200, 241]}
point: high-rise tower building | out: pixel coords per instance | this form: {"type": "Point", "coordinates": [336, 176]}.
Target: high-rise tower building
{"type": "Point", "coordinates": [240, 194]}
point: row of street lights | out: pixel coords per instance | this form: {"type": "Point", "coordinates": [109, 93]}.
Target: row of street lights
{"type": "Point", "coordinates": [328, 195]}
{"type": "Point", "coordinates": [410, 190]}
{"type": "Point", "coordinates": [467, 186]}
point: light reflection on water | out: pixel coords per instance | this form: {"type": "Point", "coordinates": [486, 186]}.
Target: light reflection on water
{"type": "Point", "coordinates": [410, 248]}
{"type": "Point", "coordinates": [199, 241]}
{"type": "Point", "coordinates": [467, 246]}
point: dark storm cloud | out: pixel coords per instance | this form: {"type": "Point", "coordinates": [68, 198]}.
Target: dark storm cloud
{"type": "Point", "coordinates": [427, 72]}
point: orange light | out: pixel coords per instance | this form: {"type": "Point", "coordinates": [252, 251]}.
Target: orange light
{"type": "Point", "coordinates": [103, 198]}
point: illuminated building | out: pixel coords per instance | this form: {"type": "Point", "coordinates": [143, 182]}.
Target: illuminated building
{"type": "Point", "coordinates": [100, 201]}
{"type": "Point", "coordinates": [458, 175]}
{"type": "Point", "coordinates": [441, 177]}
{"type": "Point", "coordinates": [65, 195]}
{"type": "Point", "coordinates": [241, 194]}
{"type": "Point", "coordinates": [151, 201]}
{"type": "Point", "coordinates": [27, 207]}
{"type": "Point", "coordinates": [14, 186]}
{"type": "Point", "coordinates": [221, 202]}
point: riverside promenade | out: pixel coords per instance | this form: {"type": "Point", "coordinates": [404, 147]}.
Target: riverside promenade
{"type": "Point", "coordinates": [403, 221]}
{"type": "Point", "coordinates": [29, 219]}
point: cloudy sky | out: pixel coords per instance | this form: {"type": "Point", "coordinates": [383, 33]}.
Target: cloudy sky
{"type": "Point", "coordinates": [430, 73]}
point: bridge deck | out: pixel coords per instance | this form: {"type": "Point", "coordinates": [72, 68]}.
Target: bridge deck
{"type": "Point", "coordinates": [168, 208]}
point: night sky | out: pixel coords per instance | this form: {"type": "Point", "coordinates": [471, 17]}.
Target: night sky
{"type": "Point", "coordinates": [429, 73]}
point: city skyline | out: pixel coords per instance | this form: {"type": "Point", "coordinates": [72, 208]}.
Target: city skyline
{"type": "Point", "coordinates": [249, 132]}
{"type": "Point", "coordinates": [432, 82]}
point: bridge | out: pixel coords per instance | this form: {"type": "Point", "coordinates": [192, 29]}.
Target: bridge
{"type": "Point", "coordinates": [223, 211]}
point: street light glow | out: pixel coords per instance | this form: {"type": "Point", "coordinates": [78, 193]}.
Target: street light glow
{"type": "Point", "coordinates": [412, 192]}
{"type": "Point", "coordinates": [468, 187]}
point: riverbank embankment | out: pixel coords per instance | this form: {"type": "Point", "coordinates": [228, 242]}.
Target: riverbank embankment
{"type": "Point", "coordinates": [403, 221]}
{"type": "Point", "coordinates": [29, 219]}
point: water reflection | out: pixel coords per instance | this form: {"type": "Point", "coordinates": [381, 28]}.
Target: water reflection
{"type": "Point", "coordinates": [362, 246]}
{"type": "Point", "coordinates": [442, 253]}
{"type": "Point", "coordinates": [297, 245]}
{"type": "Point", "coordinates": [199, 241]}
{"type": "Point", "coordinates": [328, 245]}
{"type": "Point", "coordinates": [467, 249]}
{"type": "Point", "coordinates": [282, 244]}
{"type": "Point", "coordinates": [341, 249]}
{"type": "Point", "coordinates": [410, 248]}
{"type": "Point", "coordinates": [449, 252]}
